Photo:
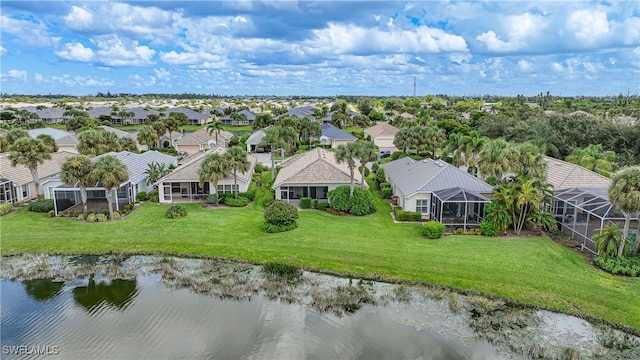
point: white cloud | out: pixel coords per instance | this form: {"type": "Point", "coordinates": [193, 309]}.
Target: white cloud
{"type": "Point", "coordinates": [187, 58]}
{"type": "Point", "coordinates": [114, 51]}
{"type": "Point", "coordinates": [557, 67]}
{"type": "Point", "coordinates": [493, 43]}
{"type": "Point", "coordinates": [524, 65]}
{"type": "Point", "coordinates": [39, 77]}
{"type": "Point", "coordinates": [525, 26]}
{"type": "Point", "coordinates": [162, 74]}
{"type": "Point", "coordinates": [18, 74]}
{"type": "Point", "coordinates": [588, 26]}
{"type": "Point", "coordinates": [79, 18]}
{"type": "Point", "coordinates": [29, 32]}
{"type": "Point", "coordinates": [76, 52]}
{"type": "Point", "coordinates": [3, 51]}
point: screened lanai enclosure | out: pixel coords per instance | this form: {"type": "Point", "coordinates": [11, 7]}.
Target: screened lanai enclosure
{"type": "Point", "coordinates": [6, 191]}
{"type": "Point", "coordinates": [582, 212]}
{"type": "Point", "coordinates": [67, 198]}
{"type": "Point", "coordinates": [458, 208]}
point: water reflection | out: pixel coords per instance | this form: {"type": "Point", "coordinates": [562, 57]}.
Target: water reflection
{"type": "Point", "coordinates": [157, 307]}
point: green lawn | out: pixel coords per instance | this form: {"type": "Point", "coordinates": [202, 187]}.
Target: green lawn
{"type": "Point", "coordinates": [532, 270]}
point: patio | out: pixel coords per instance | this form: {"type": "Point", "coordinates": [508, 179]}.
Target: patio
{"type": "Point", "coordinates": [457, 207]}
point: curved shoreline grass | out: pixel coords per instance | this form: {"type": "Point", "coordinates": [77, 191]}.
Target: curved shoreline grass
{"type": "Point", "coordinates": [532, 271]}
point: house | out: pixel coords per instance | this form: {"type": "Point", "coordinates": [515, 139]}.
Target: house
{"type": "Point", "coordinates": [16, 183]}
{"type": "Point", "coordinates": [382, 135]}
{"type": "Point", "coordinates": [581, 203]}
{"type": "Point", "coordinates": [439, 191]}
{"type": "Point", "coordinates": [312, 174]}
{"type": "Point", "coordinates": [183, 184]}
{"type": "Point", "coordinates": [255, 139]}
{"type": "Point", "coordinates": [195, 118]}
{"type": "Point", "coordinates": [243, 117]}
{"type": "Point", "coordinates": [68, 195]}
{"type": "Point", "coordinates": [169, 139]}
{"type": "Point", "coordinates": [200, 140]}
{"type": "Point", "coordinates": [300, 111]}
{"type": "Point", "coordinates": [334, 136]}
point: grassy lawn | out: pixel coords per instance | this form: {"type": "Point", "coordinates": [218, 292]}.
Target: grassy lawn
{"type": "Point", "coordinates": [532, 270]}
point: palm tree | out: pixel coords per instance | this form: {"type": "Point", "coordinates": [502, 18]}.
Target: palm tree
{"type": "Point", "coordinates": [213, 168]}
{"type": "Point", "coordinates": [528, 197]}
{"type": "Point", "coordinates": [309, 129]}
{"type": "Point", "coordinates": [531, 161]}
{"type": "Point", "coordinates": [77, 170]}
{"type": "Point", "coordinates": [48, 141]}
{"type": "Point", "coordinates": [455, 146]}
{"type": "Point", "coordinates": [496, 158]}
{"type": "Point", "coordinates": [498, 214]}
{"type": "Point", "coordinates": [347, 154]}
{"type": "Point", "coordinates": [110, 172]}
{"type": "Point", "coordinates": [147, 136]}
{"type": "Point", "coordinates": [156, 171]}
{"type": "Point", "coordinates": [594, 158]}
{"type": "Point", "coordinates": [402, 140]}
{"type": "Point", "coordinates": [366, 152]}
{"type": "Point", "coordinates": [30, 152]}
{"type": "Point", "coordinates": [473, 144]}
{"type": "Point", "coordinates": [128, 144]}
{"type": "Point", "coordinates": [236, 159]}
{"type": "Point", "coordinates": [215, 128]}
{"type": "Point", "coordinates": [433, 138]}
{"type": "Point", "coordinates": [273, 140]}
{"type": "Point", "coordinates": [607, 240]}
{"type": "Point", "coordinates": [160, 128]}
{"type": "Point", "coordinates": [624, 193]}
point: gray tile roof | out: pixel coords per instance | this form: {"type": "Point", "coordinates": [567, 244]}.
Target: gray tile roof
{"type": "Point", "coordinates": [256, 137]}
{"type": "Point", "coordinates": [192, 115]}
{"type": "Point", "coordinates": [201, 136]}
{"type": "Point", "coordinates": [188, 171]}
{"type": "Point", "coordinates": [21, 175]}
{"type": "Point", "coordinates": [137, 163]}
{"type": "Point", "coordinates": [119, 133]}
{"type": "Point", "coordinates": [412, 176]}
{"type": "Point", "coordinates": [56, 134]}
{"type": "Point", "coordinates": [301, 111]}
{"type": "Point", "coordinates": [335, 133]}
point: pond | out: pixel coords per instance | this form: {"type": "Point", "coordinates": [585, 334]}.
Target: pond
{"type": "Point", "coordinates": [166, 307]}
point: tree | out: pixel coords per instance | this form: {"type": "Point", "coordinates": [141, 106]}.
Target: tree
{"type": "Point", "coordinates": [97, 142]}
{"type": "Point", "coordinates": [347, 154]}
{"type": "Point", "coordinates": [213, 168]}
{"type": "Point", "coordinates": [594, 158]}
{"type": "Point", "coordinates": [262, 121]}
{"type": "Point", "coordinates": [607, 240]}
{"type": "Point", "coordinates": [128, 144]}
{"type": "Point", "coordinates": [48, 141]}
{"type": "Point", "coordinates": [309, 129]}
{"type": "Point", "coordinates": [433, 137]}
{"type": "Point", "coordinates": [147, 136]}
{"type": "Point", "coordinates": [160, 128]}
{"type": "Point", "coordinates": [402, 140]}
{"type": "Point", "coordinates": [624, 193]}
{"type": "Point", "coordinates": [156, 171]}
{"type": "Point", "coordinates": [76, 123]}
{"type": "Point", "coordinates": [174, 122]}
{"type": "Point", "coordinates": [473, 144]}
{"type": "Point", "coordinates": [496, 158]}
{"type": "Point", "coordinates": [530, 161]}
{"type": "Point", "coordinates": [214, 129]}
{"type": "Point", "coordinates": [14, 135]}
{"type": "Point", "coordinates": [110, 173]}
{"type": "Point", "coordinates": [273, 140]}
{"type": "Point", "coordinates": [77, 170]}
{"type": "Point", "coordinates": [236, 160]}
{"type": "Point", "coordinates": [366, 152]}
{"type": "Point", "coordinates": [30, 152]}
{"type": "Point", "coordinates": [454, 146]}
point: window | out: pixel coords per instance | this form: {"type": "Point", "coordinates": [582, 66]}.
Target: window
{"type": "Point", "coordinates": [24, 189]}
{"type": "Point", "coordinates": [166, 189]}
{"type": "Point", "coordinates": [225, 188]}
{"type": "Point", "coordinates": [422, 206]}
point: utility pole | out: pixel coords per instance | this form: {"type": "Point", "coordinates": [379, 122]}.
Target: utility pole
{"type": "Point", "coordinates": [414, 86]}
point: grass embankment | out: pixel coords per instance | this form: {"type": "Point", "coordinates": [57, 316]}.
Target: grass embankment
{"type": "Point", "coordinates": [532, 270]}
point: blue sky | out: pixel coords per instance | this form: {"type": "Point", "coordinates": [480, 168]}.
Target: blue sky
{"type": "Point", "coordinates": [320, 47]}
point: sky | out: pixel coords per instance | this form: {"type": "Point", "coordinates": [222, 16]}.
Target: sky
{"type": "Point", "coordinates": [320, 48]}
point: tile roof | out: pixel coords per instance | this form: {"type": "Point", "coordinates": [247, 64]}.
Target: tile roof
{"type": "Point", "coordinates": [316, 166]}
{"type": "Point", "coordinates": [256, 137]}
{"type": "Point", "coordinates": [562, 175]}
{"type": "Point", "coordinates": [201, 136]}
{"type": "Point", "coordinates": [188, 171]}
{"type": "Point", "coordinates": [191, 114]}
{"type": "Point", "coordinates": [412, 176]}
{"type": "Point", "coordinates": [21, 175]}
{"type": "Point", "coordinates": [301, 111]}
{"type": "Point", "coordinates": [137, 163]}
{"type": "Point", "coordinates": [119, 133]}
{"type": "Point", "coordinates": [335, 133]}
{"type": "Point", "coordinates": [54, 133]}
{"type": "Point", "coordinates": [382, 128]}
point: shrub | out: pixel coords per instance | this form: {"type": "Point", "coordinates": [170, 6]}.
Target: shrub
{"type": "Point", "coordinates": [381, 176]}
{"type": "Point", "coordinates": [488, 228]}
{"type": "Point", "coordinates": [433, 229]}
{"type": "Point", "coordinates": [629, 265]}
{"type": "Point", "coordinates": [224, 196]}
{"type": "Point", "coordinates": [52, 213]}
{"type": "Point", "coordinates": [5, 208]}
{"type": "Point", "coordinates": [387, 193]}
{"type": "Point", "coordinates": [340, 199]}
{"type": "Point", "coordinates": [402, 215]}
{"type": "Point", "coordinates": [249, 194]}
{"type": "Point", "coordinates": [280, 213]}
{"type": "Point", "coordinates": [80, 217]}
{"type": "Point", "coordinates": [106, 212]}
{"type": "Point", "coordinates": [153, 195]}
{"type": "Point", "coordinates": [362, 203]}
{"type": "Point", "coordinates": [366, 171]}
{"type": "Point", "coordinates": [19, 204]}
{"type": "Point", "coordinates": [101, 218]}
{"type": "Point", "coordinates": [458, 231]}
{"type": "Point", "coordinates": [267, 202]}
{"type": "Point", "coordinates": [116, 215]}
{"type": "Point", "coordinates": [315, 203]}
{"type": "Point", "coordinates": [375, 167]}
{"type": "Point", "coordinates": [239, 202]}
{"type": "Point", "coordinates": [305, 203]}
{"type": "Point", "coordinates": [91, 217]}
{"type": "Point", "coordinates": [271, 228]}
{"type": "Point", "coordinates": [384, 185]}
{"type": "Point", "coordinates": [397, 155]}
{"type": "Point", "coordinates": [43, 206]}
{"type": "Point", "coordinates": [142, 196]}
{"type": "Point", "coordinates": [322, 206]}
{"type": "Point", "coordinates": [175, 212]}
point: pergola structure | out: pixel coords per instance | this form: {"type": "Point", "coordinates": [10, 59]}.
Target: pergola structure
{"type": "Point", "coordinates": [582, 212]}
{"type": "Point", "coordinates": [457, 207]}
